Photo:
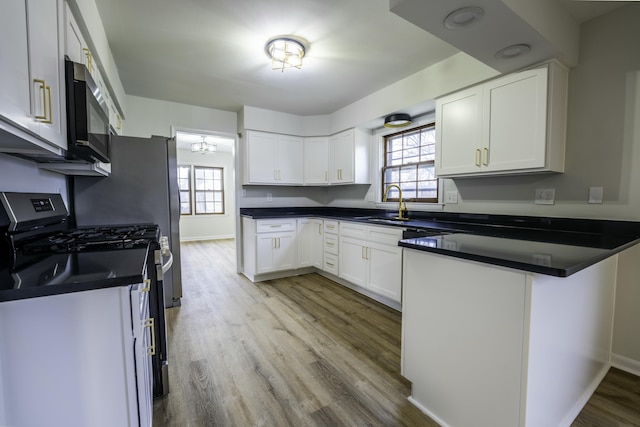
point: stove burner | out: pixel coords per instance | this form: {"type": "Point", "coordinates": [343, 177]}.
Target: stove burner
{"type": "Point", "coordinates": [95, 238]}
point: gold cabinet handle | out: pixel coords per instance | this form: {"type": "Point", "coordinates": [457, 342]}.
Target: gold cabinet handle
{"type": "Point", "coordinates": [278, 243]}
{"type": "Point", "coordinates": [330, 264]}
{"type": "Point", "coordinates": [485, 156]}
{"type": "Point", "coordinates": [119, 121]}
{"type": "Point", "coordinates": [275, 225]}
{"type": "Point", "coordinates": [362, 255]}
{"type": "Point", "coordinates": [50, 107]}
{"type": "Point", "coordinates": [273, 241]}
{"type": "Point", "coordinates": [319, 228]}
{"type": "Point", "coordinates": [150, 323]}
{"type": "Point", "coordinates": [46, 117]}
{"type": "Point", "coordinates": [147, 286]}
{"type": "Point", "coordinates": [478, 157]}
{"type": "Point", "coordinates": [326, 176]}
{"type": "Point", "coordinates": [89, 56]}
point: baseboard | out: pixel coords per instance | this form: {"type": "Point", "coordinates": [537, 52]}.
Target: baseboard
{"type": "Point", "coordinates": [584, 397]}
{"type": "Point", "coordinates": [427, 412]}
{"type": "Point", "coordinates": [201, 238]}
{"type": "Point", "coordinates": [626, 364]}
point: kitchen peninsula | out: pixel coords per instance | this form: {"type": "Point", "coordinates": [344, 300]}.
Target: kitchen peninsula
{"type": "Point", "coordinates": [509, 317]}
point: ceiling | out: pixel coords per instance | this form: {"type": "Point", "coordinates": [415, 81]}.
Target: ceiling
{"type": "Point", "coordinates": [211, 52]}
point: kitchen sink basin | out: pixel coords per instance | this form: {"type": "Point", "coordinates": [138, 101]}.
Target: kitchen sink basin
{"type": "Point", "coordinates": [388, 220]}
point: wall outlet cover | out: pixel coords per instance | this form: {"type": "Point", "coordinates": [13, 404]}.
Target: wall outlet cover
{"type": "Point", "coordinates": [545, 196]}
{"type": "Point", "coordinates": [596, 194]}
{"type": "Point", "coordinates": [451, 196]}
{"type": "Point", "coordinates": [269, 197]}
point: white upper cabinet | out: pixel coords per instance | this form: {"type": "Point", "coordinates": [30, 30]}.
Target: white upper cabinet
{"type": "Point", "coordinates": [316, 160]}
{"type": "Point", "coordinates": [349, 157]}
{"type": "Point", "coordinates": [32, 104]}
{"type": "Point", "coordinates": [273, 159]}
{"type": "Point", "coordinates": [78, 51]}
{"type": "Point", "coordinates": [513, 124]}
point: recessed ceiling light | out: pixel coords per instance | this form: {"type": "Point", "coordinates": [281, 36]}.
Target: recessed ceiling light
{"type": "Point", "coordinates": [462, 18]}
{"type": "Point", "coordinates": [513, 51]}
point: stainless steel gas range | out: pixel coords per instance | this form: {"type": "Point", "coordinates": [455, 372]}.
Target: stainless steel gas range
{"type": "Point", "coordinates": [41, 255]}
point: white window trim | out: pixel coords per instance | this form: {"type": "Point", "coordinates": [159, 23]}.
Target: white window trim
{"type": "Point", "coordinates": [377, 163]}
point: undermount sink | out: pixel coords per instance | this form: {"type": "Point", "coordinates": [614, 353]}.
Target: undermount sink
{"type": "Point", "coordinates": [388, 220]}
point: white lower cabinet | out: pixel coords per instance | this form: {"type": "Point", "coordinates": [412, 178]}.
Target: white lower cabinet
{"type": "Point", "coordinates": [310, 239]}
{"type": "Point", "coordinates": [512, 348]}
{"type": "Point", "coordinates": [366, 256]}
{"type": "Point", "coordinates": [276, 251]}
{"type": "Point", "coordinates": [371, 258]}
{"type": "Point", "coordinates": [76, 360]}
{"type": "Point", "coordinates": [269, 245]}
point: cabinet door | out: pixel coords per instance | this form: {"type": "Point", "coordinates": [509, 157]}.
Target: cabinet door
{"type": "Point", "coordinates": [515, 108]}
{"type": "Point", "coordinates": [385, 270]}
{"type": "Point", "coordinates": [286, 251]}
{"type": "Point", "coordinates": [353, 261]}
{"type": "Point", "coordinates": [341, 157]}
{"type": "Point", "coordinates": [310, 243]}
{"type": "Point", "coordinates": [316, 161]}
{"type": "Point", "coordinates": [74, 42]}
{"type": "Point", "coordinates": [459, 132]}
{"type": "Point", "coordinates": [261, 154]}
{"type": "Point", "coordinates": [45, 62]}
{"type": "Point", "coordinates": [265, 253]}
{"type": "Point", "coordinates": [289, 160]}
{"type": "Point", "coordinates": [14, 72]}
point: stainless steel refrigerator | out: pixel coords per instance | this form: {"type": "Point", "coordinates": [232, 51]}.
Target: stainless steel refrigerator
{"type": "Point", "coordinates": [142, 187]}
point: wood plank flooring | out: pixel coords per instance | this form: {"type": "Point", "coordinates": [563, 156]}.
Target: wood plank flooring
{"type": "Point", "coordinates": [302, 351]}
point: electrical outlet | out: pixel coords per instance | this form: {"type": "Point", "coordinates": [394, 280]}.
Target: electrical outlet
{"type": "Point", "coordinates": [545, 196]}
{"type": "Point", "coordinates": [269, 197]}
{"type": "Point", "coordinates": [244, 192]}
{"type": "Point", "coordinates": [596, 194]}
{"type": "Point", "coordinates": [451, 196]}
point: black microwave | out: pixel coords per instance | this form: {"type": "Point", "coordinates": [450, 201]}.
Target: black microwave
{"type": "Point", "coordinates": [87, 115]}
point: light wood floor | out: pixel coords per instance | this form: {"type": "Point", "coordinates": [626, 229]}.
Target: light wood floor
{"type": "Point", "coordinates": [302, 351]}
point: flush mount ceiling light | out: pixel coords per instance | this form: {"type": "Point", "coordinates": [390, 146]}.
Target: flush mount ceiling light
{"type": "Point", "coordinates": [203, 147]}
{"type": "Point", "coordinates": [463, 18]}
{"type": "Point", "coordinates": [286, 51]}
{"type": "Point", "coordinates": [399, 120]}
{"type": "Point", "coordinates": [513, 51]}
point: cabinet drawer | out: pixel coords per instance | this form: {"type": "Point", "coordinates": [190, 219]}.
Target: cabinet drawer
{"type": "Point", "coordinates": [330, 264]}
{"type": "Point", "coordinates": [386, 235]}
{"type": "Point", "coordinates": [353, 229]}
{"type": "Point", "coordinates": [275, 225]}
{"type": "Point", "coordinates": [331, 226]}
{"type": "Point", "coordinates": [331, 244]}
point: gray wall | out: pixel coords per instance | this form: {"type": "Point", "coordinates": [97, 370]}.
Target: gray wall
{"type": "Point", "coordinates": [22, 175]}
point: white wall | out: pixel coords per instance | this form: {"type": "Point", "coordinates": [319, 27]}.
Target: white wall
{"type": "Point", "coordinates": [24, 176]}
{"type": "Point", "coordinates": [206, 227]}
{"type": "Point", "coordinates": [146, 117]}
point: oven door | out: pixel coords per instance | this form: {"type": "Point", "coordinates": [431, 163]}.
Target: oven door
{"type": "Point", "coordinates": [157, 307]}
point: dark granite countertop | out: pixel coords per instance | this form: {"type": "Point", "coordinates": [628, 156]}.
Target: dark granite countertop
{"type": "Point", "coordinates": [73, 272]}
{"type": "Point", "coordinates": [546, 245]}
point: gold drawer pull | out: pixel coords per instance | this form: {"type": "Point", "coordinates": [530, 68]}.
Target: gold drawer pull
{"type": "Point", "coordinates": [150, 323]}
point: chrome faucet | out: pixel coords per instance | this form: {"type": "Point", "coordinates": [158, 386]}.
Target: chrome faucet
{"type": "Point", "coordinates": [402, 207]}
